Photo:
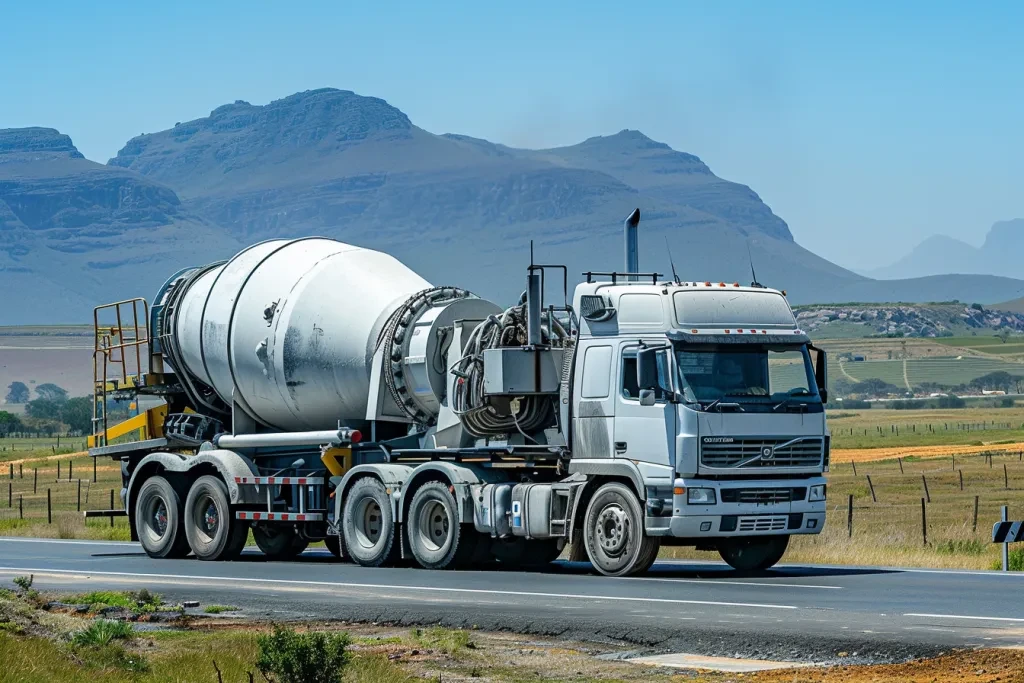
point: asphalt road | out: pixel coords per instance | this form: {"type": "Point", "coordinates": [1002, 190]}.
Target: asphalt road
{"type": "Point", "coordinates": [794, 612]}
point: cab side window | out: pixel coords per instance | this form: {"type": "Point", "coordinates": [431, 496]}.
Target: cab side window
{"type": "Point", "coordinates": [631, 390]}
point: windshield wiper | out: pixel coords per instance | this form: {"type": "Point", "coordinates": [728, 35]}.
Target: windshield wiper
{"type": "Point", "coordinates": [718, 403]}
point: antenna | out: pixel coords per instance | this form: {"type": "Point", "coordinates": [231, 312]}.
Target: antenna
{"type": "Point", "coordinates": [675, 277]}
{"type": "Point", "coordinates": [753, 282]}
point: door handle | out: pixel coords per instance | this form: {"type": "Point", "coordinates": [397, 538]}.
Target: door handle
{"type": "Point", "coordinates": [620, 446]}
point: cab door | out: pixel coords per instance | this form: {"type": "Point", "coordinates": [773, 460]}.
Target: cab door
{"type": "Point", "coordinates": [643, 433]}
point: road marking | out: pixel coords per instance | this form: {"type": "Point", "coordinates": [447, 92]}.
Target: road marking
{"type": "Point", "coordinates": [710, 581]}
{"type": "Point", "coordinates": [66, 542]}
{"type": "Point", "coordinates": [979, 619]}
{"type": "Point", "coordinates": [434, 589]}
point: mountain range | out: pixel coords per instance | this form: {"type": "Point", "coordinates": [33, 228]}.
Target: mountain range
{"type": "Point", "coordinates": [998, 255]}
{"type": "Point", "coordinates": [459, 210]}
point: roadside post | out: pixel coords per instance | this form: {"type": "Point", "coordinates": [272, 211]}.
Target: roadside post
{"type": "Point", "coordinates": [1007, 532]}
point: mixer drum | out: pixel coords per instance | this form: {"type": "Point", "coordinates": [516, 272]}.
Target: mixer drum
{"type": "Point", "coordinates": [287, 329]}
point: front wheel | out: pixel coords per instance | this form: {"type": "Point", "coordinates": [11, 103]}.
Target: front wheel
{"type": "Point", "coordinates": [279, 543]}
{"type": "Point", "coordinates": [748, 554]}
{"type": "Point", "coordinates": [212, 532]}
{"type": "Point", "coordinates": [614, 533]}
{"type": "Point", "coordinates": [368, 524]}
{"type": "Point", "coordinates": [158, 519]}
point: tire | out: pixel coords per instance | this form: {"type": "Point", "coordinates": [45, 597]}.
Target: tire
{"type": "Point", "coordinates": [520, 552]}
{"type": "Point", "coordinates": [436, 537]}
{"type": "Point", "coordinates": [613, 533]}
{"type": "Point", "coordinates": [337, 548]}
{"type": "Point", "coordinates": [279, 543]}
{"type": "Point", "coordinates": [753, 554]}
{"type": "Point", "coordinates": [212, 531]}
{"type": "Point", "coordinates": [158, 520]}
{"type": "Point", "coordinates": [368, 523]}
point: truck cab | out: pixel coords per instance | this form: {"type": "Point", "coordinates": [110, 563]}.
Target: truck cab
{"type": "Point", "coordinates": [714, 397]}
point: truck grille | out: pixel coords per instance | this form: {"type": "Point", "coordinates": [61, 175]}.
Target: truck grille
{"type": "Point", "coordinates": [763, 496]}
{"type": "Point", "coordinates": [763, 523]}
{"type": "Point", "coordinates": [725, 452]}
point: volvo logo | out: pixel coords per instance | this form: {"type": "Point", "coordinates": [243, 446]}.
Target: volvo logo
{"type": "Point", "coordinates": [718, 439]}
{"type": "Point", "coordinates": [767, 453]}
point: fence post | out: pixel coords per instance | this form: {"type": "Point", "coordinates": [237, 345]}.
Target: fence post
{"type": "Point", "coordinates": [49, 508]}
{"type": "Point", "coordinates": [872, 488]}
{"type": "Point", "coordinates": [1006, 546]}
{"type": "Point", "coordinates": [10, 495]}
{"type": "Point", "coordinates": [961, 473]}
{"type": "Point", "coordinates": [924, 523]}
{"type": "Point", "coordinates": [1006, 477]}
{"type": "Point", "coordinates": [111, 507]}
{"type": "Point", "coordinates": [58, 470]}
{"type": "Point", "coordinates": [79, 495]}
{"type": "Point", "coordinates": [954, 461]}
{"type": "Point", "coordinates": [94, 470]}
{"type": "Point", "coordinates": [927, 496]}
{"type": "Point", "coordinates": [70, 466]}
{"type": "Point", "coordinates": [900, 461]}
{"type": "Point", "coordinates": [854, 463]}
{"type": "Point", "coordinates": [974, 522]}
{"type": "Point", "coordinates": [35, 479]}
{"type": "Point", "coordinates": [849, 517]}
{"type": "Point", "coordinates": [21, 506]}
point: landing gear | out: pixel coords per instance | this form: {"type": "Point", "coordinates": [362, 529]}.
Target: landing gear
{"type": "Point", "coordinates": [212, 531]}
{"type": "Point", "coordinates": [753, 554]}
{"type": "Point", "coordinates": [279, 543]}
{"type": "Point", "coordinates": [158, 519]}
{"type": "Point", "coordinates": [614, 533]}
{"type": "Point", "coordinates": [436, 537]}
{"type": "Point", "coordinates": [369, 524]}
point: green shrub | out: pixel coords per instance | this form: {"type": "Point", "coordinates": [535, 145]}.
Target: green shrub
{"type": "Point", "coordinates": [1016, 561]}
{"type": "Point", "coordinates": [970, 546]}
{"type": "Point", "coordinates": [218, 609]}
{"type": "Point", "coordinates": [24, 582]}
{"type": "Point", "coordinates": [313, 657]}
{"type": "Point", "coordinates": [101, 632]}
{"type": "Point", "coordinates": [447, 640]}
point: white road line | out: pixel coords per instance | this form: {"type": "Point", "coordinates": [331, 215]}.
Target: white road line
{"type": "Point", "coordinates": [435, 589]}
{"type": "Point", "coordinates": [66, 542]}
{"type": "Point", "coordinates": [712, 582]}
{"type": "Point", "coordinates": [852, 568]}
{"type": "Point", "coordinates": [959, 616]}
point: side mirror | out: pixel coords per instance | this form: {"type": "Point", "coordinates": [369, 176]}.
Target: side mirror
{"type": "Point", "coordinates": [820, 361]}
{"type": "Point", "coordinates": [647, 368]}
{"type": "Point", "coordinates": [647, 397]}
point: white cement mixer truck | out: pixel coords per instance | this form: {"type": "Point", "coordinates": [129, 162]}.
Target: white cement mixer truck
{"type": "Point", "coordinates": [310, 390]}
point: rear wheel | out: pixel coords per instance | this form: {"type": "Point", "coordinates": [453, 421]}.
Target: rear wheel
{"type": "Point", "coordinates": [212, 531]}
{"type": "Point", "coordinates": [436, 537]}
{"type": "Point", "coordinates": [614, 533]}
{"type": "Point", "coordinates": [337, 548]}
{"type": "Point", "coordinates": [158, 519]}
{"type": "Point", "coordinates": [369, 524]}
{"type": "Point", "coordinates": [753, 553]}
{"type": "Point", "coordinates": [279, 543]}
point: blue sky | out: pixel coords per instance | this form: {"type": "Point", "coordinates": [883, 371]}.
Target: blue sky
{"type": "Point", "coordinates": [867, 127]}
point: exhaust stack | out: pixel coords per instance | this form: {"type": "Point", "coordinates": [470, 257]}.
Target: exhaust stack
{"type": "Point", "coordinates": [632, 248]}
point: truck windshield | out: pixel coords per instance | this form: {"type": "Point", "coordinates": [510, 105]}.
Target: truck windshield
{"type": "Point", "coordinates": [745, 373]}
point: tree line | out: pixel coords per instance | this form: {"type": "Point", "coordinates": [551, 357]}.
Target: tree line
{"type": "Point", "coordinates": [51, 412]}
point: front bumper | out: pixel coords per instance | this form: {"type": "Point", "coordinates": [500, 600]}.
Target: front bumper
{"type": "Point", "coordinates": [730, 519]}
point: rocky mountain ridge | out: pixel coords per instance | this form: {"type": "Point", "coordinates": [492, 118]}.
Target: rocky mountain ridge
{"type": "Point", "coordinates": [908, 320]}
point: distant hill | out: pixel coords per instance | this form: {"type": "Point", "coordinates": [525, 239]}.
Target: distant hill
{"type": "Point", "coordinates": [457, 209]}
{"type": "Point", "coordinates": [907, 320]}
{"type": "Point", "coordinates": [998, 255]}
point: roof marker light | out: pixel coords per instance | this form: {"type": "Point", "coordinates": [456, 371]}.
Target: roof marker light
{"type": "Point", "coordinates": [707, 284]}
{"type": "Point", "coordinates": [735, 284]}
{"type": "Point", "coordinates": [721, 284]}
{"type": "Point", "coordinates": [740, 331]}
{"type": "Point", "coordinates": [727, 332]}
{"type": "Point", "coordinates": [693, 331]}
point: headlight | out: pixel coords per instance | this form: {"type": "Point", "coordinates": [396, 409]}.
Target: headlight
{"type": "Point", "coordinates": [817, 493]}
{"type": "Point", "coordinates": [701, 496]}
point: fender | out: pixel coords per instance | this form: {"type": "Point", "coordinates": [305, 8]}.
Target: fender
{"type": "Point", "coordinates": [461, 476]}
{"type": "Point", "coordinates": [612, 467]}
{"type": "Point", "coordinates": [392, 476]}
{"type": "Point", "coordinates": [228, 464]}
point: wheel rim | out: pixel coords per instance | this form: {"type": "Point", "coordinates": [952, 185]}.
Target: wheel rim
{"type": "Point", "coordinates": [206, 518]}
{"type": "Point", "coordinates": [612, 530]}
{"type": "Point", "coordinates": [434, 525]}
{"type": "Point", "coordinates": [369, 523]}
{"type": "Point", "coordinates": [156, 518]}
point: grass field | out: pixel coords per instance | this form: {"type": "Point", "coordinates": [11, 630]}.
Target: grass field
{"type": "Point", "coordinates": [881, 428]}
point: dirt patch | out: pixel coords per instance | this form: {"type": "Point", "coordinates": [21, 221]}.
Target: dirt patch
{"type": "Point", "coordinates": [974, 666]}
{"type": "Point", "coordinates": [872, 454]}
